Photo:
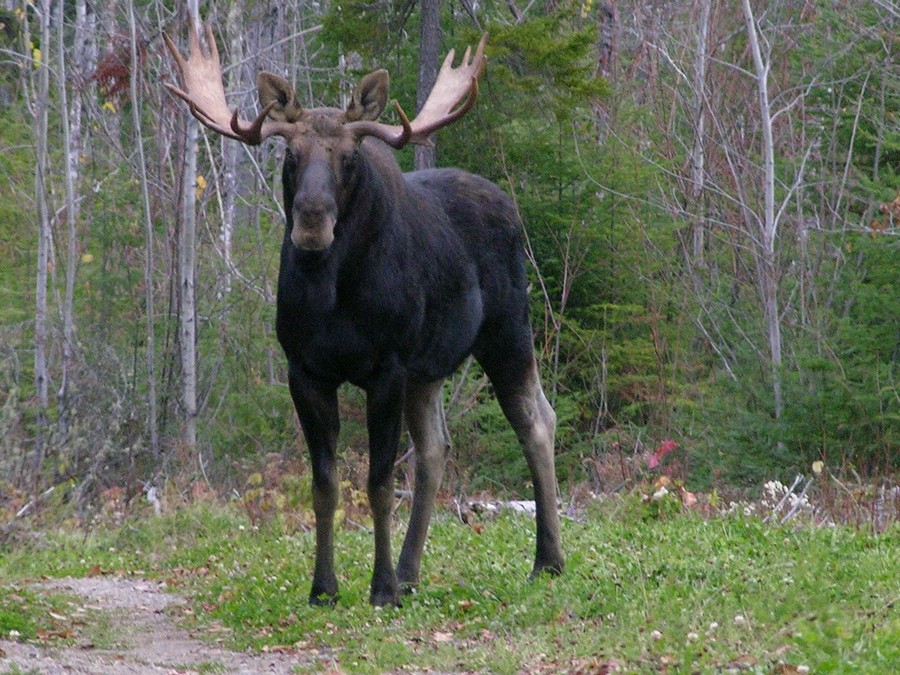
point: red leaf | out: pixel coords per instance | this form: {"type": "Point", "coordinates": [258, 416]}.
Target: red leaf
{"type": "Point", "coordinates": [664, 449]}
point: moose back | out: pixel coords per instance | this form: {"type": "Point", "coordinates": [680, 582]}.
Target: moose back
{"type": "Point", "coordinates": [388, 280]}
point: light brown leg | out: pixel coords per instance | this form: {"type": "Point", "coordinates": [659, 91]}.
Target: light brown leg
{"type": "Point", "coordinates": [427, 426]}
{"type": "Point", "coordinates": [534, 422]}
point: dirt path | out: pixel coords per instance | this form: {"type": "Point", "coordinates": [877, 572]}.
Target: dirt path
{"type": "Point", "coordinates": [138, 637]}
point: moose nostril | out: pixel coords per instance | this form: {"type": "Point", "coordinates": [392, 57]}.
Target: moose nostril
{"type": "Point", "coordinates": [313, 211]}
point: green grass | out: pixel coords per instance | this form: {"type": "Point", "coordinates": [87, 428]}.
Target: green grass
{"type": "Point", "coordinates": [681, 592]}
{"type": "Point", "coordinates": [32, 614]}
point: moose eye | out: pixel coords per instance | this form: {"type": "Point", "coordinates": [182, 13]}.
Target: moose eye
{"type": "Point", "coordinates": [349, 160]}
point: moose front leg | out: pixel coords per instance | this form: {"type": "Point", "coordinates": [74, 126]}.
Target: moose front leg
{"type": "Point", "coordinates": [384, 412]}
{"type": "Point", "coordinates": [317, 408]}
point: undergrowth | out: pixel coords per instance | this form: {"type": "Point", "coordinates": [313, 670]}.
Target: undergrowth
{"type": "Point", "coordinates": [649, 586]}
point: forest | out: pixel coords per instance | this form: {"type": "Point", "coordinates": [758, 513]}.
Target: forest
{"type": "Point", "coordinates": [711, 199]}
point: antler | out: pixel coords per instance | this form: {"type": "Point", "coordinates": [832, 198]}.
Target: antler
{"type": "Point", "coordinates": [204, 93]}
{"type": "Point", "coordinates": [453, 94]}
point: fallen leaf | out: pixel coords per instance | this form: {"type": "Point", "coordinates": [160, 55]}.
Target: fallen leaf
{"type": "Point", "coordinates": [689, 499]}
{"type": "Point", "coordinates": [50, 634]}
{"type": "Point", "coordinates": [743, 661]}
{"type": "Point", "coordinates": [279, 649]}
{"type": "Point", "coordinates": [609, 666]}
{"type": "Point", "coordinates": [441, 637]}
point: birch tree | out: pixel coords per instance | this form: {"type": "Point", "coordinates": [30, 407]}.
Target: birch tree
{"type": "Point", "coordinates": [40, 113]}
{"type": "Point", "coordinates": [767, 223]}
{"type": "Point", "coordinates": [231, 151]}
{"type": "Point", "coordinates": [187, 265]}
{"type": "Point", "coordinates": [149, 242]}
{"type": "Point", "coordinates": [70, 121]}
{"type": "Point", "coordinates": [698, 117]}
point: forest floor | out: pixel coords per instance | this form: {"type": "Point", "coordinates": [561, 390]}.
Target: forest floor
{"type": "Point", "coordinates": [132, 632]}
{"type": "Point", "coordinates": [652, 584]}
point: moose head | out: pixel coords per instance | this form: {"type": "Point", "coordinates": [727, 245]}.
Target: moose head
{"type": "Point", "coordinates": [322, 143]}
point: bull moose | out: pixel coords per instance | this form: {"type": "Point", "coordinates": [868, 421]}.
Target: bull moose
{"type": "Point", "coordinates": [389, 280]}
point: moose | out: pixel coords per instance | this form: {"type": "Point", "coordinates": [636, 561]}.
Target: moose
{"type": "Point", "coordinates": [389, 280]}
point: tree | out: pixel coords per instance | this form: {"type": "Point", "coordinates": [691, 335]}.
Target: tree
{"type": "Point", "coordinates": [187, 264]}
{"type": "Point", "coordinates": [429, 42]}
{"type": "Point", "coordinates": [41, 108]}
{"type": "Point", "coordinates": [149, 239]}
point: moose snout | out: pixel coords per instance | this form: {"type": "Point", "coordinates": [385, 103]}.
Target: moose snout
{"type": "Point", "coordinates": [313, 228]}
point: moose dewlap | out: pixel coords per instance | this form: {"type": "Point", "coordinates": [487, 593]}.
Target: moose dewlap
{"type": "Point", "coordinates": [389, 280]}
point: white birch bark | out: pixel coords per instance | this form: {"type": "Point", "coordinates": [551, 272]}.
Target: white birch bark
{"type": "Point", "coordinates": [150, 357]}
{"type": "Point", "coordinates": [767, 223]}
{"type": "Point", "coordinates": [230, 149]}
{"type": "Point", "coordinates": [41, 110]}
{"type": "Point", "coordinates": [71, 154]}
{"type": "Point", "coordinates": [698, 112]}
{"type": "Point", "coordinates": [187, 264]}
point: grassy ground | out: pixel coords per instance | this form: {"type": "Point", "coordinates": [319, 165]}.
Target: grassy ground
{"type": "Point", "coordinates": [645, 591]}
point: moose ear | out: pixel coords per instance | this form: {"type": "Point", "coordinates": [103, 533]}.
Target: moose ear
{"type": "Point", "coordinates": [369, 98]}
{"type": "Point", "coordinates": [275, 88]}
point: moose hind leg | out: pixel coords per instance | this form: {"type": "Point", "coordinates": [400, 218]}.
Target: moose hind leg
{"type": "Point", "coordinates": [428, 428]}
{"type": "Point", "coordinates": [534, 422]}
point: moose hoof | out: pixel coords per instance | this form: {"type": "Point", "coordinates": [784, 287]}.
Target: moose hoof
{"type": "Point", "coordinates": [323, 600]}
{"type": "Point", "coordinates": [383, 592]}
{"type": "Point", "coordinates": [385, 599]}
{"type": "Point", "coordinates": [324, 595]}
{"type": "Point", "coordinates": [553, 569]}
{"type": "Point", "coordinates": [407, 581]}
{"type": "Point", "coordinates": [409, 587]}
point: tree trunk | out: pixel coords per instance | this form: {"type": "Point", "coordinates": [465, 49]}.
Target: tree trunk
{"type": "Point", "coordinates": [41, 368]}
{"type": "Point", "coordinates": [429, 43]}
{"type": "Point", "coordinates": [768, 225]}
{"type": "Point", "coordinates": [607, 25]}
{"type": "Point", "coordinates": [136, 106]}
{"type": "Point", "coordinates": [187, 265]}
{"type": "Point", "coordinates": [698, 154]}
{"type": "Point", "coordinates": [230, 150]}
{"type": "Point", "coordinates": [71, 152]}
{"type": "Point", "coordinates": [108, 28]}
